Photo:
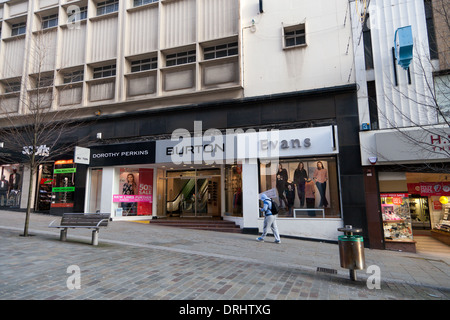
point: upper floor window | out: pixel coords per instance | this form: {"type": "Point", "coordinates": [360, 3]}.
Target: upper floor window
{"type": "Point", "coordinates": [75, 76]}
{"type": "Point", "coordinates": [108, 6]}
{"type": "Point", "coordinates": [44, 81]}
{"type": "Point", "coordinates": [144, 64]}
{"type": "Point", "coordinates": [219, 51]}
{"type": "Point", "coordinates": [49, 21]}
{"type": "Point", "coordinates": [18, 28]}
{"type": "Point", "coordinates": [138, 3]}
{"type": "Point", "coordinates": [180, 58]}
{"type": "Point", "coordinates": [12, 87]}
{"type": "Point", "coordinates": [105, 71]}
{"type": "Point", "coordinates": [295, 36]}
{"type": "Point", "coordinates": [77, 15]}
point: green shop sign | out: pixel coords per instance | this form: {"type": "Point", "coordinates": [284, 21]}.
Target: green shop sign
{"type": "Point", "coordinates": [63, 189]}
{"type": "Point", "coordinates": [66, 170]}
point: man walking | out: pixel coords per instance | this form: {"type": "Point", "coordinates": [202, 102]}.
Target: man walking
{"type": "Point", "coordinates": [269, 219]}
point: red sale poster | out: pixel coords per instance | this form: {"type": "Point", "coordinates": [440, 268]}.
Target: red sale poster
{"type": "Point", "coordinates": [145, 187]}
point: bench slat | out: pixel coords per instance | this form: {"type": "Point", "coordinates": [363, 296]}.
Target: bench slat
{"type": "Point", "coordinates": [88, 220]}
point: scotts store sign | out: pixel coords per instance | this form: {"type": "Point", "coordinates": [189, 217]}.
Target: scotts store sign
{"type": "Point", "coordinates": [41, 150]}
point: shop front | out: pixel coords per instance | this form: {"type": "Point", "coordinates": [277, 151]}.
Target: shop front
{"type": "Point", "coordinates": [410, 170]}
{"type": "Point", "coordinates": [421, 210]}
{"type": "Point", "coordinates": [221, 177]}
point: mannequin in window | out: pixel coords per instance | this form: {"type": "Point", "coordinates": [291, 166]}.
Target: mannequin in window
{"type": "Point", "coordinates": [321, 177]}
{"type": "Point", "coordinates": [4, 186]}
{"type": "Point", "coordinates": [282, 177]}
{"type": "Point", "coordinates": [14, 180]}
{"type": "Point", "coordinates": [300, 177]}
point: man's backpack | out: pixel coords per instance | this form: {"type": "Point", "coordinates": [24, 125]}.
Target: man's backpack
{"type": "Point", "coordinates": [274, 209]}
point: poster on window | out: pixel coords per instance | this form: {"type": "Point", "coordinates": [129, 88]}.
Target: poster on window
{"type": "Point", "coordinates": [136, 187]}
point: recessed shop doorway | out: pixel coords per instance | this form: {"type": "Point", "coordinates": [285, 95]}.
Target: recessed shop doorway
{"type": "Point", "coordinates": [192, 193]}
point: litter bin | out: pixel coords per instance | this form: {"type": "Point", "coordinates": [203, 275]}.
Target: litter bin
{"type": "Point", "coordinates": [351, 251]}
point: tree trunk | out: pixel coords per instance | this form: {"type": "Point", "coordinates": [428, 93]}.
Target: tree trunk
{"type": "Point", "coordinates": [30, 197]}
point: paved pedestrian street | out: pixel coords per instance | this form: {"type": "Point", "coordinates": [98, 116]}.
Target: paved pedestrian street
{"type": "Point", "coordinates": [137, 261]}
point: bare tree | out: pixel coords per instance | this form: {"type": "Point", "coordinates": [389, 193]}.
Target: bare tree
{"type": "Point", "coordinates": [37, 130]}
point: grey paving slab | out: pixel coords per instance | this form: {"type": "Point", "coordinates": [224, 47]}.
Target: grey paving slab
{"type": "Point", "coordinates": [136, 261]}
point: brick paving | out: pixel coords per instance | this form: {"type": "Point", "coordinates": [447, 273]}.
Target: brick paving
{"type": "Point", "coordinates": [136, 261]}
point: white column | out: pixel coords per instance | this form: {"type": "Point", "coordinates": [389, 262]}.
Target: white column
{"type": "Point", "coordinates": [250, 183]}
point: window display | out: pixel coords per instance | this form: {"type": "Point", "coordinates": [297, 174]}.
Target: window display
{"type": "Point", "coordinates": [233, 190]}
{"type": "Point", "coordinates": [396, 216]}
{"type": "Point", "coordinates": [444, 219]}
{"type": "Point", "coordinates": [44, 197]}
{"type": "Point", "coordinates": [10, 185]}
{"type": "Point", "coordinates": [136, 191]}
{"type": "Point", "coordinates": [63, 189]}
{"type": "Point", "coordinates": [303, 188]}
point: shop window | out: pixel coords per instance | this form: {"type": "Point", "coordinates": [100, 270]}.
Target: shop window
{"type": "Point", "coordinates": [396, 215]}
{"type": "Point", "coordinates": [10, 185]}
{"type": "Point", "coordinates": [135, 192]}
{"type": "Point", "coordinates": [233, 190]}
{"type": "Point", "coordinates": [63, 189]}
{"type": "Point", "coordinates": [303, 188]}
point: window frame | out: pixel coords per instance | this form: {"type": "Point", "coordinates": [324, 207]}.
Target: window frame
{"type": "Point", "coordinates": [78, 16]}
{"type": "Point", "coordinates": [229, 49]}
{"type": "Point", "coordinates": [73, 77]}
{"type": "Point", "coordinates": [18, 27]}
{"type": "Point", "coordinates": [104, 7]}
{"type": "Point", "coordinates": [138, 3]}
{"type": "Point", "coordinates": [99, 72]}
{"type": "Point", "coordinates": [48, 22]}
{"type": "Point", "coordinates": [177, 58]}
{"type": "Point", "coordinates": [294, 32]}
{"type": "Point", "coordinates": [141, 64]}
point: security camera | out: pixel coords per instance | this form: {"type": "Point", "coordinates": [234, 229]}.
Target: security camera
{"type": "Point", "coordinates": [373, 160]}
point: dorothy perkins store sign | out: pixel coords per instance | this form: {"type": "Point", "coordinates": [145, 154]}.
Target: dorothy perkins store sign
{"type": "Point", "coordinates": [123, 154]}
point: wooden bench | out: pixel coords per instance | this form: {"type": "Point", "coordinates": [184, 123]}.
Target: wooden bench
{"type": "Point", "coordinates": [82, 220]}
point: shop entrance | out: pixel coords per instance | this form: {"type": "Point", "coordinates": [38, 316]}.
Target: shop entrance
{"type": "Point", "coordinates": [193, 193]}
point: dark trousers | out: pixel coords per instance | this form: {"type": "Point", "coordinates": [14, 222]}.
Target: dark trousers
{"type": "Point", "coordinates": [322, 187]}
{"type": "Point", "coordinates": [301, 193]}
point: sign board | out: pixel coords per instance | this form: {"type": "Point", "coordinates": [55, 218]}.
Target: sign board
{"type": "Point", "coordinates": [234, 146]}
{"type": "Point", "coordinates": [123, 154]}
{"type": "Point", "coordinates": [82, 155]}
{"type": "Point", "coordinates": [423, 144]}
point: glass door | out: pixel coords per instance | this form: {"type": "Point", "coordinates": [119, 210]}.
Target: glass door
{"type": "Point", "coordinates": [192, 193]}
{"type": "Point", "coordinates": [95, 190]}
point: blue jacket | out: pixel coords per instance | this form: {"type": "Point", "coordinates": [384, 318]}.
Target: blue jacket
{"type": "Point", "coordinates": [266, 209]}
